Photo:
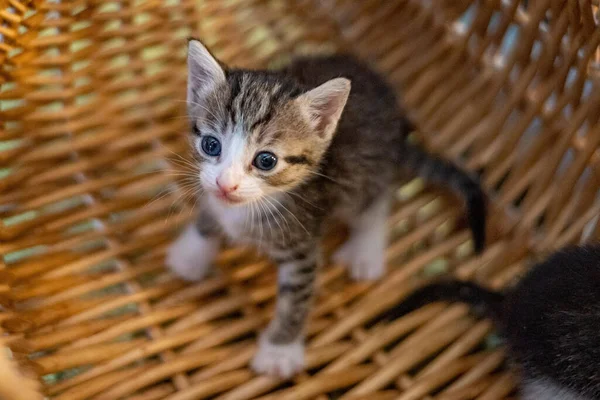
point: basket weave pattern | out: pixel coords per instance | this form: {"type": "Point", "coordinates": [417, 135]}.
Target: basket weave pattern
{"type": "Point", "coordinates": [93, 132]}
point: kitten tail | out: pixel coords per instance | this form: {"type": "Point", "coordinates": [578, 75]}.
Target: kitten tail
{"type": "Point", "coordinates": [443, 172]}
{"type": "Point", "coordinates": [485, 302]}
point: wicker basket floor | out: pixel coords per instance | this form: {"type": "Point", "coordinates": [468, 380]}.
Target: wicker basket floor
{"type": "Point", "coordinates": [92, 136]}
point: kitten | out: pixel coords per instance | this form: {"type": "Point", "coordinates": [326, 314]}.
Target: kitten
{"type": "Point", "coordinates": [551, 322]}
{"type": "Point", "coordinates": [282, 153]}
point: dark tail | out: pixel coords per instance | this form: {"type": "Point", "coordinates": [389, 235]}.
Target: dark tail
{"type": "Point", "coordinates": [443, 172]}
{"type": "Point", "coordinates": [485, 302]}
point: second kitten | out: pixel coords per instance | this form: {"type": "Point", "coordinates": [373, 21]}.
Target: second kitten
{"type": "Point", "coordinates": [551, 321]}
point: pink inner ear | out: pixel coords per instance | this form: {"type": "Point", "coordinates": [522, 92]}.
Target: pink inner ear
{"type": "Point", "coordinates": [326, 102]}
{"type": "Point", "coordinates": [323, 113]}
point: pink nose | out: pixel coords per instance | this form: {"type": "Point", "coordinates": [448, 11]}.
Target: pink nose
{"type": "Point", "coordinates": [226, 188]}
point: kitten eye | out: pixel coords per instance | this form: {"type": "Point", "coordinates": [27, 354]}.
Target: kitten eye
{"type": "Point", "coordinates": [265, 161]}
{"type": "Point", "coordinates": [211, 146]}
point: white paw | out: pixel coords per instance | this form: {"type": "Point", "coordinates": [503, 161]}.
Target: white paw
{"type": "Point", "coordinates": [191, 255]}
{"type": "Point", "coordinates": [279, 360]}
{"type": "Point", "coordinates": [363, 256]}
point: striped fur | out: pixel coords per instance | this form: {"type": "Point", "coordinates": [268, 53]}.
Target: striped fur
{"type": "Point", "coordinates": [297, 273]}
{"type": "Point", "coordinates": [339, 151]}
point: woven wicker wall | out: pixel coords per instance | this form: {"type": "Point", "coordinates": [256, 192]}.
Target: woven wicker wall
{"type": "Point", "coordinates": [92, 127]}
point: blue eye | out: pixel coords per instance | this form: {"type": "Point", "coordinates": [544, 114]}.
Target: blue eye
{"type": "Point", "coordinates": [265, 161]}
{"type": "Point", "coordinates": [211, 146]}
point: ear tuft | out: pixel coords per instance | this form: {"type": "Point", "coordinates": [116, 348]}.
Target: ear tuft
{"type": "Point", "coordinates": [323, 105]}
{"type": "Point", "coordinates": [204, 71]}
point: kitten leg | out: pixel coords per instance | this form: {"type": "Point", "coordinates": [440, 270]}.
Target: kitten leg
{"type": "Point", "coordinates": [281, 345]}
{"type": "Point", "coordinates": [364, 252]}
{"type": "Point", "coordinates": [191, 255]}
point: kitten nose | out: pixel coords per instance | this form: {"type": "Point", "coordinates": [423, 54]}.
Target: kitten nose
{"type": "Point", "coordinates": [227, 188]}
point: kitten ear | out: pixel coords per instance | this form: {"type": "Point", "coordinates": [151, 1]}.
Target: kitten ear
{"type": "Point", "coordinates": [204, 72]}
{"type": "Point", "coordinates": [324, 104]}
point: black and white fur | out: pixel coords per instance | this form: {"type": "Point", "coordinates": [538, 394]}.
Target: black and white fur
{"type": "Point", "coordinates": [551, 322]}
{"type": "Point", "coordinates": [340, 142]}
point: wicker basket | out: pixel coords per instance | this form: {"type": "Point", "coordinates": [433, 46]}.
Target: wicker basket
{"type": "Point", "coordinates": [91, 112]}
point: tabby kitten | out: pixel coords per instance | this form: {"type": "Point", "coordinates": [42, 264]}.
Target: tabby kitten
{"type": "Point", "coordinates": [278, 162]}
{"type": "Point", "coordinates": [551, 321]}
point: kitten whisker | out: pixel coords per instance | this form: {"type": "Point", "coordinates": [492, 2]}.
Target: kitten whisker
{"type": "Point", "coordinates": [160, 195]}
{"type": "Point", "coordinates": [179, 158]}
{"type": "Point", "coordinates": [183, 163]}
{"type": "Point", "coordinates": [272, 206]}
{"type": "Point", "coordinates": [163, 193]}
{"type": "Point", "coordinates": [194, 195]}
{"type": "Point", "coordinates": [260, 221]}
{"type": "Point", "coordinates": [173, 204]}
{"type": "Point", "coordinates": [292, 193]}
{"type": "Point", "coordinates": [198, 193]}
{"type": "Point", "coordinates": [174, 170]}
{"type": "Point", "coordinates": [180, 173]}
{"type": "Point", "coordinates": [264, 207]}
{"type": "Point", "coordinates": [246, 217]}
{"type": "Point", "coordinates": [324, 176]}
{"type": "Point", "coordinates": [285, 220]}
{"type": "Point", "coordinates": [292, 214]}
{"type": "Point", "coordinates": [252, 218]}
{"type": "Point", "coordinates": [187, 184]}
{"type": "Point", "coordinates": [181, 166]}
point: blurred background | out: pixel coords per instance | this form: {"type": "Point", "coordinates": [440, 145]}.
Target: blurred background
{"type": "Point", "coordinates": [93, 149]}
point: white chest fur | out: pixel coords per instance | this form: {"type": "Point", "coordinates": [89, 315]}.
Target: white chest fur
{"type": "Point", "coordinates": [233, 220]}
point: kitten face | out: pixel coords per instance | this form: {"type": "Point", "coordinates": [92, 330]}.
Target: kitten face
{"type": "Point", "coordinates": [257, 134]}
{"type": "Point", "coordinates": [241, 160]}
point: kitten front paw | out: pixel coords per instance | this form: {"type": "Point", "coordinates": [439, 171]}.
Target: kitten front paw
{"type": "Point", "coordinates": [365, 259]}
{"type": "Point", "coordinates": [279, 360]}
{"type": "Point", "coordinates": [190, 257]}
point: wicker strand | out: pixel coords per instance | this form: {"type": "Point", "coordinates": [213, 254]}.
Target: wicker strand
{"type": "Point", "coordinates": [92, 139]}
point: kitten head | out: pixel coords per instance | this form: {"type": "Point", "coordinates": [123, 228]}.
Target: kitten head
{"type": "Point", "coordinates": [257, 133]}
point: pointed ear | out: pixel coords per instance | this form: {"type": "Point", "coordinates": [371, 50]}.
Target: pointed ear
{"type": "Point", "coordinates": [204, 72]}
{"type": "Point", "coordinates": [324, 104]}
